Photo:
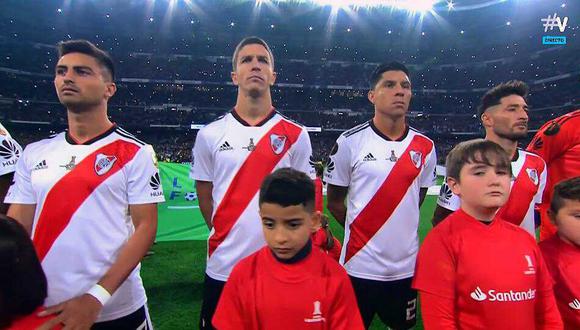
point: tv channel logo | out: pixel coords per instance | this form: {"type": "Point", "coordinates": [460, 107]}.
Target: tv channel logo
{"type": "Point", "coordinates": [551, 22]}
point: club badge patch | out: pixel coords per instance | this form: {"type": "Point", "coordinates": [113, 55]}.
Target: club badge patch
{"type": "Point", "coordinates": [104, 163]}
{"type": "Point", "coordinates": [277, 142]}
{"type": "Point", "coordinates": [533, 174]}
{"type": "Point", "coordinates": [416, 157]}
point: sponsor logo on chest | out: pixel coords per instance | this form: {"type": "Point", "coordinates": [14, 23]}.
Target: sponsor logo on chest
{"type": "Point", "coordinates": [502, 296]}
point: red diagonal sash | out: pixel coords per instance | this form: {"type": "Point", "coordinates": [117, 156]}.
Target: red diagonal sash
{"type": "Point", "coordinates": [70, 192]}
{"type": "Point", "coordinates": [382, 205]}
{"type": "Point", "coordinates": [522, 193]}
{"type": "Point", "coordinates": [246, 183]}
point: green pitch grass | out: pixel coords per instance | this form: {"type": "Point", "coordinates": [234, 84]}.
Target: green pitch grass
{"type": "Point", "coordinates": [173, 277]}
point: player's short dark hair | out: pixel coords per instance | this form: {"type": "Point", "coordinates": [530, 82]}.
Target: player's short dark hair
{"type": "Point", "coordinates": [288, 187]}
{"type": "Point", "coordinates": [378, 72]}
{"type": "Point", "coordinates": [478, 151]}
{"type": "Point", "coordinates": [493, 96]}
{"type": "Point", "coordinates": [88, 48]}
{"type": "Point", "coordinates": [250, 41]}
{"type": "Point", "coordinates": [23, 285]}
{"type": "Point", "coordinates": [565, 190]}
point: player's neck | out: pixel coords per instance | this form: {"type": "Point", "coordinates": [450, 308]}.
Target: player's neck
{"type": "Point", "coordinates": [85, 125]}
{"type": "Point", "coordinates": [482, 214]}
{"type": "Point", "coordinates": [566, 241]}
{"type": "Point", "coordinates": [253, 110]}
{"type": "Point", "coordinates": [510, 146]}
{"type": "Point", "coordinates": [392, 127]}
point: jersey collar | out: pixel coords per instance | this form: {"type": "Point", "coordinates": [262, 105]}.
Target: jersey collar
{"type": "Point", "coordinates": [301, 255]}
{"type": "Point", "coordinates": [71, 140]}
{"type": "Point", "coordinates": [261, 123]}
{"type": "Point", "coordinates": [379, 133]}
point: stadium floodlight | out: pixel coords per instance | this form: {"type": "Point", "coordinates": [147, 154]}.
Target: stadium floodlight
{"type": "Point", "coordinates": [410, 5]}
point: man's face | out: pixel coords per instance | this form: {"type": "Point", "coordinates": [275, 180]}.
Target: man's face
{"type": "Point", "coordinates": [254, 72]}
{"type": "Point", "coordinates": [80, 82]}
{"type": "Point", "coordinates": [392, 94]}
{"type": "Point", "coordinates": [568, 221]}
{"type": "Point", "coordinates": [481, 186]}
{"type": "Point", "coordinates": [509, 119]}
{"type": "Point", "coordinates": [286, 229]}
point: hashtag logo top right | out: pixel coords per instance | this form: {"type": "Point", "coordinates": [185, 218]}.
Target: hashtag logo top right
{"type": "Point", "coordinates": [552, 22]}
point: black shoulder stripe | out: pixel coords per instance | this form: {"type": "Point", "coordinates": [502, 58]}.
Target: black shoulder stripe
{"type": "Point", "coordinates": [356, 129]}
{"type": "Point", "coordinates": [129, 136]}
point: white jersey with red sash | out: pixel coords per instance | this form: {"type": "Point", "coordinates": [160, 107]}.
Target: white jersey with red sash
{"type": "Point", "coordinates": [236, 157]}
{"type": "Point", "coordinates": [384, 178]}
{"type": "Point", "coordinates": [527, 187]}
{"type": "Point", "coordinates": [82, 194]}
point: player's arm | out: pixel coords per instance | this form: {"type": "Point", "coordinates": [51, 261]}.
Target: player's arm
{"type": "Point", "coordinates": [344, 313]}
{"type": "Point", "coordinates": [24, 214]}
{"type": "Point", "coordinates": [437, 312]}
{"type": "Point", "coordinates": [335, 196]}
{"type": "Point", "coordinates": [5, 182]}
{"type": "Point", "coordinates": [547, 314]}
{"type": "Point", "coordinates": [82, 311]}
{"type": "Point", "coordinates": [204, 195]}
{"type": "Point", "coordinates": [229, 313]}
{"type": "Point", "coordinates": [440, 214]}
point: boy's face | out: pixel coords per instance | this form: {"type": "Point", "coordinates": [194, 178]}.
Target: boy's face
{"type": "Point", "coordinates": [287, 229]}
{"type": "Point", "coordinates": [568, 221]}
{"type": "Point", "coordinates": [481, 186]}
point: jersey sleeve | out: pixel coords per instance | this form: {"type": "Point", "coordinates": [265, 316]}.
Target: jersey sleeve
{"type": "Point", "coordinates": [447, 199]}
{"type": "Point", "coordinates": [343, 315]}
{"type": "Point", "coordinates": [229, 312]}
{"type": "Point", "coordinates": [429, 174]}
{"type": "Point", "coordinates": [338, 169]}
{"type": "Point", "coordinates": [437, 312]}
{"type": "Point", "coordinates": [21, 190]}
{"type": "Point", "coordinates": [554, 138]}
{"type": "Point", "coordinates": [435, 268]}
{"type": "Point", "coordinates": [10, 152]}
{"type": "Point", "coordinates": [301, 153]}
{"type": "Point", "coordinates": [202, 158]}
{"type": "Point", "coordinates": [143, 181]}
{"type": "Point", "coordinates": [547, 314]}
{"type": "Point", "coordinates": [542, 186]}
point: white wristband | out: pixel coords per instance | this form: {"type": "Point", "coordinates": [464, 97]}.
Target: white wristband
{"type": "Point", "coordinates": [100, 293]}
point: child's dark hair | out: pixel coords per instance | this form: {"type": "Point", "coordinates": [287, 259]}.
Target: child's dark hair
{"type": "Point", "coordinates": [23, 286]}
{"type": "Point", "coordinates": [287, 187]}
{"type": "Point", "coordinates": [476, 151]}
{"type": "Point", "coordinates": [565, 190]}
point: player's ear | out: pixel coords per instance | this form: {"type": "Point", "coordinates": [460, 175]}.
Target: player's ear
{"type": "Point", "coordinates": [552, 216]}
{"type": "Point", "coordinates": [371, 96]}
{"type": "Point", "coordinates": [111, 90]}
{"type": "Point", "coordinates": [274, 76]}
{"type": "Point", "coordinates": [486, 119]}
{"type": "Point", "coordinates": [453, 184]}
{"type": "Point", "coordinates": [234, 78]}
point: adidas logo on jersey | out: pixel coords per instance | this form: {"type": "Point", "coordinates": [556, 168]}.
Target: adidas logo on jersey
{"type": "Point", "coordinates": [493, 295]}
{"type": "Point", "coordinates": [40, 166]}
{"type": "Point", "coordinates": [575, 304]}
{"type": "Point", "coordinates": [226, 146]}
{"type": "Point", "coordinates": [369, 158]}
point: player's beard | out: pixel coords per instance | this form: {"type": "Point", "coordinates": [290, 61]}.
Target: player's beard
{"type": "Point", "coordinates": [80, 106]}
{"type": "Point", "coordinates": [255, 93]}
{"type": "Point", "coordinates": [513, 136]}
